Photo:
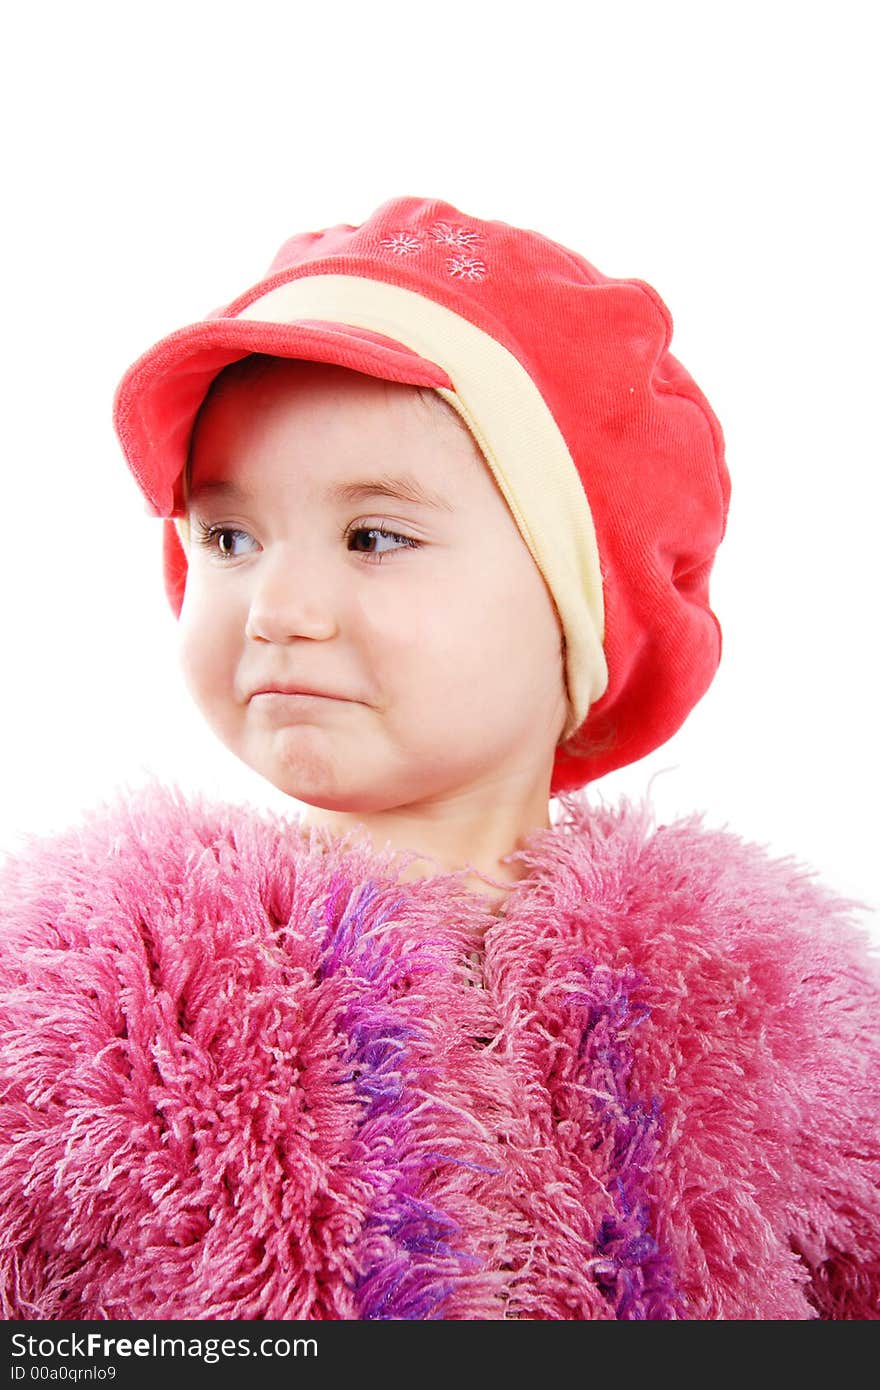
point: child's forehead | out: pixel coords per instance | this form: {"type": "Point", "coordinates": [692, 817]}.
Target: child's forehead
{"type": "Point", "coordinates": [266, 377]}
{"type": "Point", "coordinates": [293, 393]}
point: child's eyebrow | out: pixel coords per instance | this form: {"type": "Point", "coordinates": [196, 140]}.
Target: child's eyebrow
{"type": "Point", "coordinates": [404, 488]}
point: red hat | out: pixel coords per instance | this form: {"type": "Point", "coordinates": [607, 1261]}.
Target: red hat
{"type": "Point", "coordinates": [605, 449]}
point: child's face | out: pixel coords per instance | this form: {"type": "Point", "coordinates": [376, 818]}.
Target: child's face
{"type": "Point", "coordinates": [443, 657]}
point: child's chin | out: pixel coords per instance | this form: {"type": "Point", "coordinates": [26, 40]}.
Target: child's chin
{"type": "Point", "coordinates": [315, 778]}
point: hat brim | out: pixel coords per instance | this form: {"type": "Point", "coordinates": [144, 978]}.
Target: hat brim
{"type": "Point", "coordinates": [157, 400]}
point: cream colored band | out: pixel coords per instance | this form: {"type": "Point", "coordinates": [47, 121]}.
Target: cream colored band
{"type": "Point", "coordinates": [519, 438]}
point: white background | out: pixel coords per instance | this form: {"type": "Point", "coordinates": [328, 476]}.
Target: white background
{"type": "Point", "coordinates": [158, 154]}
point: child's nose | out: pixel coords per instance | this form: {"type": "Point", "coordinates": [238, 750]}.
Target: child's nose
{"type": "Point", "coordinates": [292, 596]}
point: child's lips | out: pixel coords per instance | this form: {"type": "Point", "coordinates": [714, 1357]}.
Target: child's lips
{"type": "Point", "coordinates": [285, 707]}
{"type": "Point", "coordinates": [297, 692]}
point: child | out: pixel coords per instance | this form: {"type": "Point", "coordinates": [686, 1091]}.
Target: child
{"type": "Point", "coordinates": [439, 514]}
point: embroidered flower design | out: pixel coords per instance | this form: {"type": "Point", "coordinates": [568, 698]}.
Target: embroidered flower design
{"type": "Point", "coordinates": [462, 238]}
{"type": "Point", "coordinates": [466, 268]}
{"type": "Point", "coordinates": [402, 243]}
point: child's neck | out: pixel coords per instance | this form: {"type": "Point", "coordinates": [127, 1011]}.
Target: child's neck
{"type": "Point", "coordinates": [451, 836]}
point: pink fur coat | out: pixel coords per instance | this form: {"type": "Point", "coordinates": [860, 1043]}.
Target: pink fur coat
{"type": "Point", "coordinates": [248, 1073]}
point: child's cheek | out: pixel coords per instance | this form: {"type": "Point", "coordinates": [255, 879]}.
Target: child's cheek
{"type": "Point", "coordinates": [204, 646]}
{"type": "Point", "coordinates": [189, 656]}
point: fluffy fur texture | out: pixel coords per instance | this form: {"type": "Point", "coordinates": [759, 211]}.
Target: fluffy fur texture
{"type": "Point", "coordinates": [245, 1074]}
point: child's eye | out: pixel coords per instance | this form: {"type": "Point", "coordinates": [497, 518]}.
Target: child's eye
{"type": "Point", "coordinates": [209, 535]}
{"type": "Point", "coordinates": [374, 531]}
